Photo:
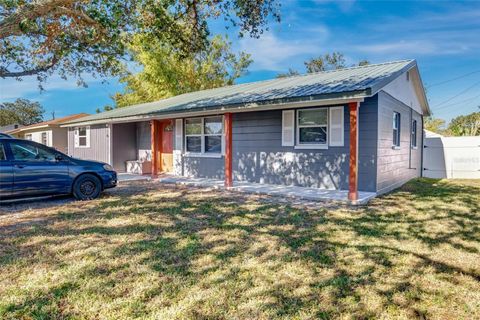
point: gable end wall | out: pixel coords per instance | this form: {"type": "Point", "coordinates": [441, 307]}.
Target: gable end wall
{"type": "Point", "coordinates": [396, 166]}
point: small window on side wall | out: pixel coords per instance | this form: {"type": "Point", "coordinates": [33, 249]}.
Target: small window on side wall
{"type": "Point", "coordinates": [28, 137]}
{"type": "Point", "coordinates": [414, 134]}
{"type": "Point", "coordinates": [44, 138]}
{"type": "Point", "coordinates": [82, 137]}
{"type": "Point", "coordinates": [396, 129]}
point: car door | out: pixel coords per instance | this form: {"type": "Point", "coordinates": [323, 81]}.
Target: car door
{"type": "Point", "coordinates": [37, 170]}
{"type": "Point", "coordinates": [6, 173]}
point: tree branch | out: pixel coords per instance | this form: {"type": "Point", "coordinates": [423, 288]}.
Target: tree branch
{"type": "Point", "coordinates": [4, 73]}
{"type": "Point", "coordinates": [11, 25]}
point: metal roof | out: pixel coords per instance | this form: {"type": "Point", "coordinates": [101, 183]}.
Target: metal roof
{"type": "Point", "coordinates": [355, 82]}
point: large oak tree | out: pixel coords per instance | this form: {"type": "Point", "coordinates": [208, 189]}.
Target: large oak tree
{"type": "Point", "coordinates": [75, 37]}
{"type": "Point", "coordinates": [166, 73]}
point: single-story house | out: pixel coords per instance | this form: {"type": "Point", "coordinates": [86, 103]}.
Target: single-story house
{"type": "Point", "coordinates": [10, 127]}
{"type": "Point", "coordinates": [49, 133]}
{"type": "Point", "coordinates": [352, 129]}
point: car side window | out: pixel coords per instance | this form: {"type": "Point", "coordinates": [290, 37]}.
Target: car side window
{"type": "Point", "coordinates": [28, 152]}
{"type": "Point", "coordinates": [3, 155]}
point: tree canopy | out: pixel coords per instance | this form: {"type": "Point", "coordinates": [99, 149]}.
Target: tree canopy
{"type": "Point", "coordinates": [468, 125]}
{"type": "Point", "coordinates": [328, 61]}
{"type": "Point", "coordinates": [291, 72]}
{"type": "Point", "coordinates": [76, 37]}
{"type": "Point", "coordinates": [22, 111]}
{"type": "Point", "coordinates": [433, 124]}
{"type": "Point", "coordinates": [167, 73]}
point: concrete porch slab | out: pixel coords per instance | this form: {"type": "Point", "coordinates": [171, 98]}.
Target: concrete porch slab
{"type": "Point", "coordinates": [122, 177]}
{"type": "Point", "coordinates": [312, 194]}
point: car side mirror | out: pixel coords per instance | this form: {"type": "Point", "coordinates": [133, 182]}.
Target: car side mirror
{"type": "Point", "coordinates": [58, 157]}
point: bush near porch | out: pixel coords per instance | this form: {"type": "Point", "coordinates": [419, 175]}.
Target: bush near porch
{"type": "Point", "coordinates": [153, 251]}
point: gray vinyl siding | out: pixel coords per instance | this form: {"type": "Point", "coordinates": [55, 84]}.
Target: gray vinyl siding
{"type": "Point", "coordinates": [99, 149]}
{"type": "Point", "coordinates": [60, 139]}
{"type": "Point", "coordinates": [202, 167]}
{"type": "Point", "coordinates": [396, 166]}
{"type": "Point", "coordinates": [258, 155]}
{"type": "Point", "coordinates": [124, 139]}
{"type": "Point", "coordinates": [367, 144]}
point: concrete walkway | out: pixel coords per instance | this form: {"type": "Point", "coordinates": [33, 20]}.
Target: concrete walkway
{"type": "Point", "coordinates": [132, 177]}
{"type": "Point", "coordinates": [313, 194]}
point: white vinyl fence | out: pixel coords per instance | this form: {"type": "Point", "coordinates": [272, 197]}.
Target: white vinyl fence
{"type": "Point", "coordinates": [451, 157]}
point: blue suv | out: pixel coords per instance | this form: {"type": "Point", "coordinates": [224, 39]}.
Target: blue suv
{"type": "Point", "coordinates": [30, 169]}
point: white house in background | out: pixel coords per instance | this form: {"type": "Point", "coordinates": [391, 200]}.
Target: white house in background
{"type": "Point", "coordinates": [48, 133]}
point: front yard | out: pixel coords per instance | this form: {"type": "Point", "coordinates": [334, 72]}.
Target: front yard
{"type": "Point", "coordinates": [153, 251]}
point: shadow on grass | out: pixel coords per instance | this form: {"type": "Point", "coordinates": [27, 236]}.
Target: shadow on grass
{"type": "Point", "coordinates": [178, 230]}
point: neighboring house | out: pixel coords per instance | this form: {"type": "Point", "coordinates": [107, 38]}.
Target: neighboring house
{"type": "Point", "coordinates": [48, 133]}
{"type": "Point", "coordinates": [352, 129]}
{"type": "Point", "coordinates": [9, 127]}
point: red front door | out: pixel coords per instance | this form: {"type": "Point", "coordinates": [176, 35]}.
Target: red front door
{"type": "Point", "coordinates": [166, 157]}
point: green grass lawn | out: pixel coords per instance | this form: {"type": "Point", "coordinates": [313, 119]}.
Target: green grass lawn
{"type": "Point", "coordinates": [155, 252]}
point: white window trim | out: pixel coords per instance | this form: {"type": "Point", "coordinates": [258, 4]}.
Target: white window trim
{"type": "Point", "coordinates": [202, 136]}
{"type": "Point", "coordinates": [76, 134]}
{"type": "Point", "coordinates": [299, 145]}
{"type": "Point", "coordinates": [28, 136]}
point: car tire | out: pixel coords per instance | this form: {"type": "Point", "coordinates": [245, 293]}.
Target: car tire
{"type": "Point", "coordinates": [87, 187]}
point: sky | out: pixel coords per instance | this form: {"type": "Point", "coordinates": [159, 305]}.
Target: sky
{"type": "Point", "coordinates": [443, 36]}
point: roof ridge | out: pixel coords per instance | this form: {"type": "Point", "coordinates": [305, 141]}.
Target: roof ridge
{"type": "Point", "coordinates": [348, 68]}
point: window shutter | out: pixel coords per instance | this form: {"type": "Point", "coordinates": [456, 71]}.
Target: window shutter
{"type": "Point", "coordinates": [336, 126]}
{"type": "Point", "coordinates": [179, 135]}
{"type": "Point", "coordinates": [75, 137]}
{"type": "Point", "coordinates": [288, 124]}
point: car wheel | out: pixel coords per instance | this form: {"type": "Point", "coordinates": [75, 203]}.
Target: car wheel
{"type": "Point", "coordinates": [87, 187]}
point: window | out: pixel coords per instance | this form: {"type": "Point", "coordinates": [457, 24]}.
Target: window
{"type": "Point", "coordinates": [23, 151]}
{"type": "Point", "coordinates": [28, 137]}
{"type": "Point", "coordinates": [193, 135]}
{"type": "Point", "coordinates": [414, 134]}
{"type": "Point", "coordinates": [204, 135]}
{"type": "Point", "coordinates": [3, 155]}
{"type": "Point", "coordinates": [82, 137]}
{"type": "Point", "coordinates": [312, 126]}
{"type": "Point", "coordinates": [396, 129]}
{"type": "Point", "coordinates": [44, 138]}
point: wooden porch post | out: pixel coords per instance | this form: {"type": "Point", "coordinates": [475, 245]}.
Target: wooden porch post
{"type": "Point", "coordinates": [154, 146]}
{"type": "Point", "coordinates": [353, 164]}
{"type": "Point", "coordinates": [228, 150]}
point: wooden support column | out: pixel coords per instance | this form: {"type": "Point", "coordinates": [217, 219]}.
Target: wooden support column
{"type": "Point", "coordinates": [154, 146]}
{"type": "Point", "coordinates": [353, 164]}
{"type": "Point", "coordinates": [228, 150]}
